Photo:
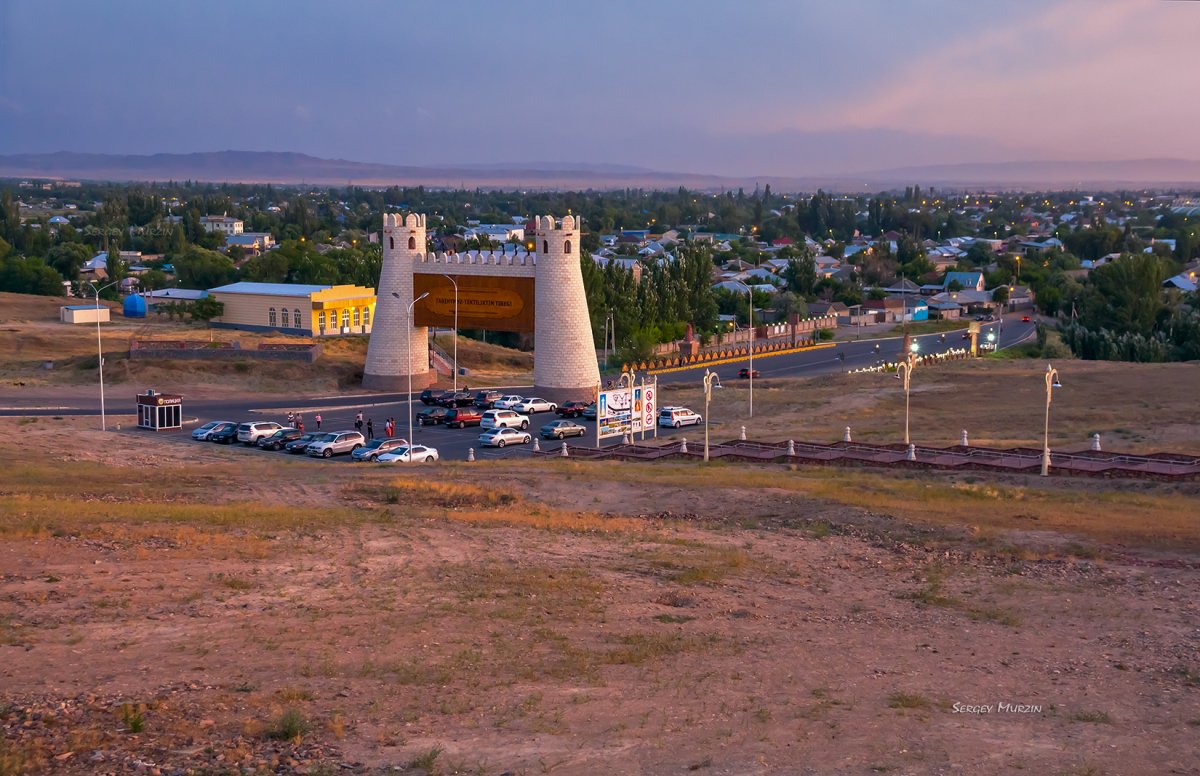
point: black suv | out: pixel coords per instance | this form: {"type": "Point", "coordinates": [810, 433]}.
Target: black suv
{"type": "Point", "coordinates": [485, 399]}
{"type": "Point", "coordinates": [280, 438]}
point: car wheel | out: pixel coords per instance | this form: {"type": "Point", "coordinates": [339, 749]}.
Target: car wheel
{"type": "Point", "coordinates": [500, 443]}
{"type": "Point", "coordinates": [524, 424]}
{"type": "Point", "coordinates": [559, 435]}
{"type": "Point", "coordinates": [429, 459]}
{"type": "Point", "coordinates": [527, 439]}
{"type": "Point", "coordinates": [553, 407]}
{"type": "Point", "coordinates": [677, 424]}
{"type": "Point", "coordinates": [327, 454]}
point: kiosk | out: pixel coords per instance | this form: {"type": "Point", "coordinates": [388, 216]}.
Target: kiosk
{"type": "Point", "coordinates": [160, 411]}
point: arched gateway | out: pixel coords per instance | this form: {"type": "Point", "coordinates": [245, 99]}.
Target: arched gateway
{"type": "Point", "coordinates": [540, 292]}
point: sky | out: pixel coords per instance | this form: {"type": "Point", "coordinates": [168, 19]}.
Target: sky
{"type": "Point", "coordinates": [754, 87]}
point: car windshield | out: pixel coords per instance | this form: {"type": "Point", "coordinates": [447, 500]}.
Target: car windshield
{"type": "Point", "coordinates": [326, 438]}
{"type": "Point", "coordinates": [208, 426]}
{"type": "Point", "coordinates": [374, 443]}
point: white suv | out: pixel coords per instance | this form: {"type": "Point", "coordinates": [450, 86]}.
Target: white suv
{"type": "Point", "coordinates": [335, 443]}
{"type": "Point", "coordinates": [674, 417]}
{"type": "Point", "coordinates": [250, 433]}
{"type": "Point", "coordinates": [533, 405]}
{"type": "Point", "coordinates": [507, 402]}
{"type": "Point", "coordinates": [504, 419]}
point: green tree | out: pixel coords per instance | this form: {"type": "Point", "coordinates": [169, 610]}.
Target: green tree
{"type": "Point", "coordinates": [67, 259]}
{"type": "Point", "coordinates": [199, 268]}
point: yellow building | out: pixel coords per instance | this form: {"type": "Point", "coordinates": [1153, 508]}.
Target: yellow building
{"type": "Point", "coordinates": [295, 309]}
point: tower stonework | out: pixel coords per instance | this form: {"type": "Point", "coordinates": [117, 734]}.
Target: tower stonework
{"type": "Point", "coordinates": [564, 363]}
{"type": "Point", "coordinates": [391, 356]}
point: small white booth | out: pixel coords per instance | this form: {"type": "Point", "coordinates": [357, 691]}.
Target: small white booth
{"type": "Point", "coordinates": [160, 411]}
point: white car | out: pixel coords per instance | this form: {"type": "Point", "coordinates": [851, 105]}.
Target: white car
{"type": "Point", "coordinates": [415, 454]}
{"type": "Point", "coordinates": [201, 434]}
{"type": "Point", "coordinates": [499, 437]}
{"type": "Point", "coordinates": [507, 402]}
{"type": "Point", "coordinates": [674, 417]}
{"type": "Point", "coordinates": [504, 419]}
{"type": "Point", "coordinates": [250, 433]}
{"type": "Point", "coordinates": [533, 404]}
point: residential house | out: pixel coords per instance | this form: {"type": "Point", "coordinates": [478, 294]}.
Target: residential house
{"type": "Point", "coordinates": [222, 223]}
{"type": "Point", "coordinates": [966, 280]}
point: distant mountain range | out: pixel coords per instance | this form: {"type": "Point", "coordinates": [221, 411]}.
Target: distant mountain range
{"type": "Point", "coordinates": [290, 168]}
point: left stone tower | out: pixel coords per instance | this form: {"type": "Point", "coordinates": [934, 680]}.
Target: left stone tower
{"type": "Point", "coordinates": [397, 350]}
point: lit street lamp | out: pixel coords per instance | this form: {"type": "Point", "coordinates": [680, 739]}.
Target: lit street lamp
{"type": "Point", "coordinates": [904, 372]}
{"type": "Point", "coordinates": [100, 349]}
{"type": "Point", "coordinates": [408, 358]}
{"type": "Point", "coordinates": [452, 280]}
{"type": "Point", "coordinates": [1051, 383]}
{"type": "Point", "coordinates": [710, 377]}
{"type": "Point", "coordinates": [751, 292]}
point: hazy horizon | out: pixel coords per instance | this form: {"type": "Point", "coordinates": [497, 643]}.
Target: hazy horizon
{"type": "Point", "coordinates": [768, 88]}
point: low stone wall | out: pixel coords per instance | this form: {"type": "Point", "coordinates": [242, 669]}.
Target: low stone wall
{"type": "Point", "coordinates": [200, 350]}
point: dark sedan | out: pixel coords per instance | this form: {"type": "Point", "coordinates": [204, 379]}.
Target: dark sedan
{"type": "Point", "coordinates": [226, 435]}
{"type": "Point", "coordinates": [450, 399]}
{"type": "Point", "coordinates": [431, 396]}
{"type": "Point", "coordinates": [572, 409]}
{"type": "Point", "coordinates": [298, 445]}
{"type": "Point", "coordinates": [559, 429]}
{"type": "Point", "coordinates": [432, 416]}
{"type": "Point", "coordinates": [280, 438]}
{"type": "Point", "coordinates": [589, 412]}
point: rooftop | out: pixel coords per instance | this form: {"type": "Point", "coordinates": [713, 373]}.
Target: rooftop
{"type": "Point", "coordinates": [269, 289]}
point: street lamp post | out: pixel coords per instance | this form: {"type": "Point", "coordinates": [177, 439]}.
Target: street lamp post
{"type": "Point", "coordinates": [408, 358]}
{"type": "Point", "coordinates": [452, 280]}
{"type": "Point", "coordinates": [710, 377]}
{"type": "Point", "coordinates": [751, 291]}
{"type": "Point", "coordinates": [100, 350]}
{"type": "Point", "coordinates": [904, 372]}
{"type": "Point", "coordinates": [1051, 383]}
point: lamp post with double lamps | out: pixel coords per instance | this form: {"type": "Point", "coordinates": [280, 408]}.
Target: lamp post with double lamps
{"type": "Point", "coordinates": [100, 349]}
{"type": "Point", "coordinates": [750, 289]}
{"type": "Point", "coordinates": [408, 357]}
{"type": "Point", "coordinates": [452, 280]}
{"type": "Point", "coordinates": [904, 372]}
{"type": "Point", "coordinates": [710, 381]}
{"type": "Point", "coordinates": [1051, 383]}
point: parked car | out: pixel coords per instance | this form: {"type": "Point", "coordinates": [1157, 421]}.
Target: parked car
{"type": "Point", "coordinates": [201, 434]}
{"type": "Point", "coordinates": [534, 405]}
{"type": "Point", "coordinates": [745, 373]}
{"type": "Point", "coordinates": [674, 417]}
{"type": "Point", "coordinates": [504, 419]}
{"type": "Point", "coordinates": [432, 416]}
{"type": "Point", "coordinates": [589, 412]}
{"type": "Point", "coordinates": [559, 429]}
{"type": "Point", "coordinates": [1026, 319]}
{"type": "Point", "coordinates": [405, 454]}
{"type": "Point", "coordinates": [484, 399]}
{"type": "Point", "coordinates": [461, 417]}
{"type": "Point", "coordinates": [430, 396]}
{"type": "Point", "coordinates": [499, 437]}
{"type": "Point", "coordinates": [460, 399]}
{"type": "Point", "coordinates": [507, 402]}
{"type": "Point", "coordinates": [335, 443]}
{"type": "Point", "coordinates": [572, 409]}
{"type": "Point", "coordinates": [250, 433]}
{"type": "Point", "coordinates": [280, 438]}
{"type": "Point", "coordinates": [377, 447]}
{"type": "Point", "coordinates": [224, 435]}
{"type": "Point", "coordinates": [300, 444]}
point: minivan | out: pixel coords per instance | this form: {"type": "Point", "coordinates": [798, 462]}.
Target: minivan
{"type": "Point", "coordinates": [674, 417]}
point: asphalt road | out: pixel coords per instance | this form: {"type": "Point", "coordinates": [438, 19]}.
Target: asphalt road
{"type": "Point", "coordinates": [338, 411]}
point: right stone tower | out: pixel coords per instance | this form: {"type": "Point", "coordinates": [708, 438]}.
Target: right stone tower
{"type": "Point", "coordinates": [564, 365]}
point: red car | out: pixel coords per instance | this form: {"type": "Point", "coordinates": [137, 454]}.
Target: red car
{"type": "Point", "coordinates": [1025, 319]}
{"type": "Point", "coordinates": [745, 373]}
{"type": "Point", "coordinates": [572, 409]}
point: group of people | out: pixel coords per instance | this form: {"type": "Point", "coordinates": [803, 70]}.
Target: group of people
{"type": "Point", "coordinates": [389, 426]}
{"type": "Point", "coordinates": [296, 420]}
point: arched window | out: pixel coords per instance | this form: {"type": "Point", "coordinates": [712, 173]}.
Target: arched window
{"type": "Point", "coordinates": [284, 318]}
{"type": "Point", "coordinates": [392, 243]}
{"type": "Point", "coordinates": [412, 243]}
{"type": "Point", "coordinates": [321, 321]}
{"type": "Point", "coordinates": [271, 317]}
{"type": "Point", "coordinates": [545, 246]}
{"type": "Point", "coordinates": [345, 319]}
{"type": "Point", "coordinates": [567, 247]}
{"type": "Point", "coordinates": [355, 316]}
{"type": "Point", "coordinates": [366, 316]}
{"type": "Point", "coordinates": [299, 323]}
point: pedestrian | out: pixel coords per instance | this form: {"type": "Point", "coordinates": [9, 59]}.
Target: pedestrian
{"type": "Point", "coordinates": [389, 428]}
{"type": "Point", "coordinates": [291, 420]}
{"type": "Point", "coordinates": [299, 421]}
{"type": "Point", "coordinates": [370, 429]}
{"type": "Point", "coordinates": [318, 419]}
{"type": "Point", "coordinates": [358, 421]}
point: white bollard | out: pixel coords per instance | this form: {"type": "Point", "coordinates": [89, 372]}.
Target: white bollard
{"type": "Point", "coordinates": [791, 447]}
{"type": "Point", "coordinates": [470, 454]}
{"type": "Point", "coordinates": [743, 434]}
{"type": "Point", "coordinates": [564, 450]}
{"type": "Point", "coordinates": [1096, 442]}
{"type": "Point", "coordinates": [537, 445]}
{"type": "Point", "coordinates": [912, 453]}
{"type": "Point", "coordinates": [683, 445]}
{"type": "Point", "coordinates": [963, 441]}
{"type": "Point", "coordinates": [846, 436]}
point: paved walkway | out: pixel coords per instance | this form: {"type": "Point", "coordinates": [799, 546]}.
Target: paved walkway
{"type": "Point", "coordinates": [1161, 466]}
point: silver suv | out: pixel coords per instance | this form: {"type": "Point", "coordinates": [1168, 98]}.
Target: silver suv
{"type": "Point", "coordinates": [504, 419]}
{"type": "Point", "coordinates": [335, 443]}
{"type": "Point", "coordinates": [250, 433]}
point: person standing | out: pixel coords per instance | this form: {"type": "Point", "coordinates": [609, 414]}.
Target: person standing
{"type": "Point", "coordinates": [299, 422]}
{"type": "Point", "coordinates": [291, 420]}
{"type": "Point", "coordinates": [358, 421]}
{"type": "Point", "coordinates": [318, 419]}
{"type": "Point", "coordinates": [370, 430]}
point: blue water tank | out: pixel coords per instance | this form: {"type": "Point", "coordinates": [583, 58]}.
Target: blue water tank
{"type": "Point", "coordinates": [135, 306]}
